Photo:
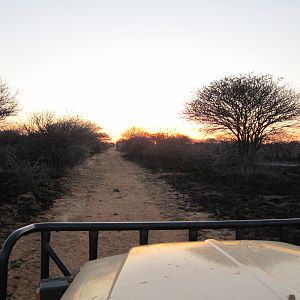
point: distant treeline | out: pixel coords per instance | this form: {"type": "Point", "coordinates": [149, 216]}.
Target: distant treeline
{"type": "Point", "coordinates": [36, 152]}
{"type": "Point", "coordinates": [178, 152]}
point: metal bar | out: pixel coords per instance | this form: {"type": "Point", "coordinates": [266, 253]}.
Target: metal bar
{"type": "Point", "coordinates": [239, 233]}
{"type": "Point", "coordinates": [58, 261]}
{"type": "Point", "coordinates": [178, 225]}
{"type": "Point", "coordinates": [144, 237]}
{"type": "Point", "coordinates": [5, 254]}
{"type": "Point", "coordinates": [45, 240]}
{"type": "Point", "coordinates": [93, 244]}
{"type": "Point", "coordinates": [3, 277]}
{"type": "Point", "coordinates": [118, 226]}
{"type": "Point", "coordinates": [283, 235]}
{"type": "Point", "coordinates": [193, 235]}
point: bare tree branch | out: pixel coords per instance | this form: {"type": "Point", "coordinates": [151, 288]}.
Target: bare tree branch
{"type": "Point", "coordinates": [249, 107]}
{"type": "Point", "coordinates": [8, 102]}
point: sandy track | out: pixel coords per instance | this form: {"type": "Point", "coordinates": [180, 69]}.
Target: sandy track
{"type": "Point", "coordinates": [105, 188]}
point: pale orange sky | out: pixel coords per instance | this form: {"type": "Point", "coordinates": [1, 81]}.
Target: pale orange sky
{"type": "Point", "coordinates": [135, 63]}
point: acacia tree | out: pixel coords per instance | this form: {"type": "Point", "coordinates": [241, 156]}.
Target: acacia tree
{"type": "Point", "coordinates": [250, 108]}
{"type": "Point", "coordinates": [8, 102]}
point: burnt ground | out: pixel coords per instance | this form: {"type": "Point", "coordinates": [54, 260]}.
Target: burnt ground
{"type": "Point", "coordinates": [273, 193]}
{"type": "Point", "coordinates": [109, 188]}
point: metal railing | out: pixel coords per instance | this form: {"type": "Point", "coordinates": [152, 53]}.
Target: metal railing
{"type": "Point", "coordinates": [142, 227]}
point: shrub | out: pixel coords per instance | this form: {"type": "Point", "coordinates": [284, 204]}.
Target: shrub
{"type": "Point", "coordinates": [61, 142]}
{"type": "Point", "coordinates": [176, 152]}
{"type": "Point", "coordinates": [41, 149]}
{"type": "Point", "coordinates": [20, 176]}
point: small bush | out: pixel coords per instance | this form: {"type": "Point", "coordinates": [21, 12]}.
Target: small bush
{"type": "Point", "coordinates": [61, 142]}
{"type": "Point", "coordinates": [41, 149]}
{"type": "Point", "coordinates": [169, 151]}
{"type": "Point", "coordinates": [281, 152]}
{"type": "Point", "coordinates": [23, 175]}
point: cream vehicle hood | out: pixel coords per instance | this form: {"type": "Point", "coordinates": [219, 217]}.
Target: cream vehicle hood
{"type": "Point", "coordinates": [193, 270]}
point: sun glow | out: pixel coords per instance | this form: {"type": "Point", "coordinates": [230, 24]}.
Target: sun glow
{"type": "Point", "coordinates": [123, 64]}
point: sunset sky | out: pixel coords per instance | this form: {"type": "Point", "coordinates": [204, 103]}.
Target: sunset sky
{"type": "Point", "coordinates": [135, 63]}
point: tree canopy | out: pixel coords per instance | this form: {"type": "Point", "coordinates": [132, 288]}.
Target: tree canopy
{"type": "Point", "coordinates": [248, 107]}
{"type": "Point", "coordinates": [8, 102]}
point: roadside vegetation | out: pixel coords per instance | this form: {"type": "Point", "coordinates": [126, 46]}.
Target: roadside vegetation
{"type": "Point", "coordinates": [208, 172]}
{"type": "Point", "coordinates": [168, 152]}
{"type": "Point", "coordinates": [253, 171]}
{"type": "Point", "coordinates": [35, 155]}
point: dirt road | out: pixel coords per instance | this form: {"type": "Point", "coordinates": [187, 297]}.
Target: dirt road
{"type": "Point", "coordinates": [105, 188]}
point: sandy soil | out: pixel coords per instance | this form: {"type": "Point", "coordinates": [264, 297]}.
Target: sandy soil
{"type": "Point", "coordinates": [105, 188]}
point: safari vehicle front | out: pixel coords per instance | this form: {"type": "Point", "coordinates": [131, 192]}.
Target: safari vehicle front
{"type": "Point", "coordinates": [210, 269]}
